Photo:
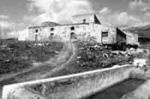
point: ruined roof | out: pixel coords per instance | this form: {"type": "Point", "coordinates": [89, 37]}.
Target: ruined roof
{"type": "Point", "coordinates": [74, 24]}
{"type": "Point", "coordinates": [48, 23]}
{"type": "Point", "coordinates": [45, 24]}
{"type": "Point", "coordinates": [59, 25]}
{"type": "Point", "coordinates": [39, 26]}
{"type": "Point", "coordinates": [88, 16]}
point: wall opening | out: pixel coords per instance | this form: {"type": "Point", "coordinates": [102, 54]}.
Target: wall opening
{"type": "Point", "coordinates": [105, 34]}
{"type": "Point", "coordinates": [52, 29]}
{"type": "Point", "coordinates": [84, 20]}
{"type": "Point", "coordinates": [51, 34]}
{"type": "Point", "coordinates": [72, 28]}
{"type": "Point", "coordinates": [72, 35]}
{"type": "Point", "coordinates": [36, 37]}
{"type": "Point", "coordinates": [36, 31]}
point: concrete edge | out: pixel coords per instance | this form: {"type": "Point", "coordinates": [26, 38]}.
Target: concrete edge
{"type": "Point", "coordinates": [12, 87]}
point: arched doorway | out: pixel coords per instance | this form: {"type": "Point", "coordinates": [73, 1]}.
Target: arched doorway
{"type": "Point", "coordinates": [36, 37]}
{"type": "Point", "coordinates": [72, 35]}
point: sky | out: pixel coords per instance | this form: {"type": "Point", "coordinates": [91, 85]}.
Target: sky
{"type": "Point", "coordinates": [17, 15]}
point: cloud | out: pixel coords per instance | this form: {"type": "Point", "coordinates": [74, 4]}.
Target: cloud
{"type": "Point", "coordinates": [6, 27]}
{"type": "Point", "coordinates": [124, 18]}
{"type": "Point", "coordinates": [140, 5]}
{"type": "Point", "coordinates": [58, 10]}
{"type": "Point", "coordinates": [6, 24]}
{"type": "Point", "coordinates": [4, 17]}
{"type": "Point", "coordinates": [137, 4]}
{"type": "Point", "coordinates": [121, 19]}
{"type": "Point", "coordinates": [105, 10]}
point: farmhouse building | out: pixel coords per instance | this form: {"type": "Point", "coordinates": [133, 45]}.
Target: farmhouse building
{"type": "Point", "coordinates": [84, 27]}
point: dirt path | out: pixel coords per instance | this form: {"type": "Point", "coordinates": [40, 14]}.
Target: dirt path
{"type": "Point", "coordinates": [74, 53]}
{"type": "Point", "coordinates": [52, 66]}
{"type": "Point", "coordinates": [45, 69]}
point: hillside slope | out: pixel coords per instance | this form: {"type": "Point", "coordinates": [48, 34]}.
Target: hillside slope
{"type": "Point", "coordinates": [143, 32]}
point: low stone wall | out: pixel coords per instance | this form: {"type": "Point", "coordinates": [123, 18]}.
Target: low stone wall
{"type": "Point", "coordinates": [69, 87]}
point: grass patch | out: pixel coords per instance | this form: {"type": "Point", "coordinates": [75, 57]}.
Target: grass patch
{"type": "Point", "coordinates": [18, 55]}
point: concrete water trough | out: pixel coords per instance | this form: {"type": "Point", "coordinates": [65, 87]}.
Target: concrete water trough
{"type": "Point", "coordinates": [74, 86]}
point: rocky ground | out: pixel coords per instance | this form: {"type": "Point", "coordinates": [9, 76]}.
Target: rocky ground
{"type": "Point", "coordinates": [92, 56]}
{"type": "Point", "coordinates": [16, 56]}
{"type": "Point", "coordinates": [37, 69]}
{"type": "Point", "coordinates": [74, 58]}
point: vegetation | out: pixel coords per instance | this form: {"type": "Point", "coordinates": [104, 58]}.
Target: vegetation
{"type": "Point", "coordinates": [93, 56]}
{"type": "Point", "coordinates": [17, 55]}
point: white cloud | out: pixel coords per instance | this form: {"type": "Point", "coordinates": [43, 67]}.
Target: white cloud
{"type": "Point", "coordinates": [58, 10]}
{"type": "Point", "coordinates": [137, 4]}
{"type": "Point", "coordinates": [125, 18]}
{"type": "Point", "coordinates": [105, 10]}
{"type": "Point", "coordinates": [5, 28]}
{"type": "Point", "coordinates": [128, 20]}
{"type": "Point", "coordinates": [6, 24]}
{"type": "Point", "coordinates": [140, 5]}
{"type": "Point", "coordinates": [4, 17]}
{"type": "Point", "coordinates": [122, 19]}
{"type": "Point", "coordinates": [9, 29]}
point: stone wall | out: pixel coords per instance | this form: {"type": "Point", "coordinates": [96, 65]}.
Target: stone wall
{"type": "Point", "coordinates": [69, 87]}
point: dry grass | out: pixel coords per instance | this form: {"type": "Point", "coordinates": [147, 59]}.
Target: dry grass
{"type": "Point", "coordinates": [16, 55]}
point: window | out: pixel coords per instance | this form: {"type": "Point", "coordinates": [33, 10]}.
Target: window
{"type": "Point", "coordinates": [36, 37]}
{"type": "Point", "coordinates": [104, 34]}
{"type": "Point", "coordinates": [36, 31]}
{"type": "Point", "coordinates": [72, 35]}
{"type": "Point", "coordinates": [84, 20]}
{"type": "Point", "coordinates": [51, 29]}
{"type": "Point", "coordinates": [72, 28]}
{"type": "Point", "coordinates": [52, 34]}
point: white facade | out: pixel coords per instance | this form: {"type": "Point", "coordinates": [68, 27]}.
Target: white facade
{"type": "Point", "coordinates": [85, 27]}
{"type": "Point", "coordinates": [132, 39]}
{"type": "Point", "coordinates": [80, 30]}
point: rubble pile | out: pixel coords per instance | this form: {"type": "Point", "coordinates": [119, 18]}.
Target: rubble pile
{"type": "Point", "coordinates": [17, 55]}
{"type": "Point", "coordinates": [98, 56]}
{"type": "Point", "coordinates": [92, 56]}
